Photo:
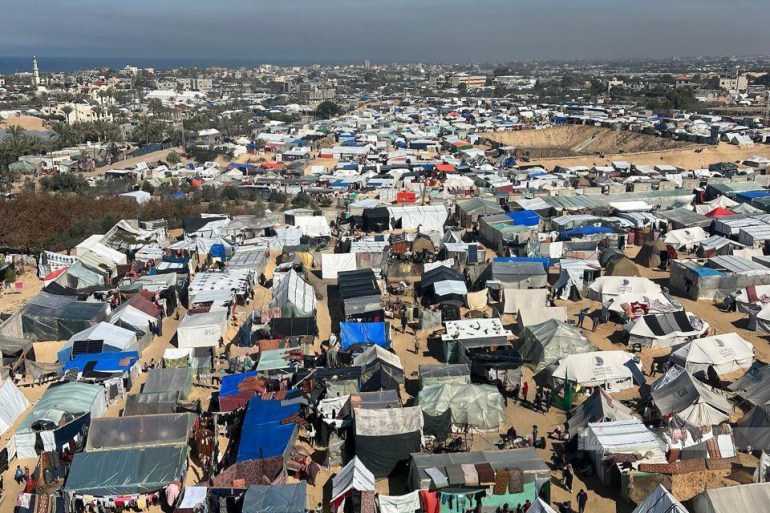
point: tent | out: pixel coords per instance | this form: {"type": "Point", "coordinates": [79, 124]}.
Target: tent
{"type": "Point", "coordinates": [284, 498]}
{"type": "Point", "coordinates": [334, 263]}
{"type": "Point", "coordinates": [313, 226]}
{"type": "Point", "coordinates": [686, 238]}
{"type": "Point", "coordinates": [621, 267]}
{"type": "Point", "coordinates": [12, 404]}
{"type": "Point", "coordinates": [169, 379]}
{"type": "Point", "coordinates": [725, 354]}
{"type": "Point", "coordinates": [687, 401]}
{"type": "Point", "coordinates": [444, 374]}
{"type": "Point", "coordinates": [617, 370]}
{"type": "Point", "coordinates": [551, 341]}
{"type": "Point", "coordinates": [752, 431]}
{"type": "Point", "coordinates": [202, 329]}
{"type": "Point", "coordinates": [649, 254]}
{"type": "Point", "coordinates": [376, 219]}
{"type": "Point", "coordinates": [438, 275]}
{"type": "Point", "coordinates": [469, 210]}
{"type": "Point", "coordinates": [151, 403]}
{"type": "Point", "coordinates": [540, 506]}
{"type": "Point", "coordinates": [353, 476]}
{"type": "Point", "coordinates": [748, 497]}
{"type": "Point", "coordinates": [519, 275]}
{"type": "Point", "coordinates": [62, 407]}
{"type": "Point", "coordinates": [360, 292]}
{"type": "Point", "coordinates": [377, 333]}
{"type": "Point", "coordinates": [424, 217]}
{"type": "Point", "coordinates": [100, 338]}
{"type": "Point", "coordinates": [128, 471]}
{"type": "Point", "coordinates": [50, 317]}
{"type": "Point", "coordinates": [385, 438]}
{"type": "Point", "coordinates": [377, 400]}
{"type": "Point", "coordinates": [754, 386]}
{"type": "Point", "coordinates": [664, 330]}
{"type": "Point", "coordinates": [380, 369]}
{"type": "Point", "coordinates": [478, 406]}
{"type": "Point", "coordinates": [616, 285]}
{"type": "Point", "coordinates": [533, 316]}
{"type": "Point", "coordinates": [294, 296]}
{"type": "Point", "coordinates": [108, 433]}
{"type": "Point", "coordinates": [599, 407]}
{"type": "Point", "coordinates": [660, 500]}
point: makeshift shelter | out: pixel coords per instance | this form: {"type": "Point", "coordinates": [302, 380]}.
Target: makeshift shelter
{"type": "Point", "coordinates": [519, 275]}
{"type": "Point", "coordinates": [599, 407]}
{"type": "Point", "coordinates": [384, 438]}
{"type": "Point", "coordinates": [650, 253]}
{"type": "Point", "coordinates": [380, 369]}
{"type": "Point", "coordinates": [686, 238]}
{"type": "Point", "coordinates": [354, 477]}
{"type": "Point", "coordinates": [313, 226]}
{"type": "Point", "coordinates": [477, 406]}
{"type": "Point", "coordinates": [424, 217]}
{"type": "Point", "coordinates": [202, 329]}
{"type": "Point", "coordinates": [294, 296]}
{"type": "Point", "coordinates": [527, 317]}
{"type": "Point", "coordinates": [748, 497]}
{"type": "Point", "coordinates": [722, 354]}
{"type": "Point", "coordinates": [688, 402]}
{"type": "Point", "coordinates": [361, 294]}
{"type": "Point", "coordinates": [470, 210]}
{"type": "Point", "coordinates": [660, 500]}
{"type": "Point", "coordinates": [377, 333]}
{"type": "Point", "coordinates": [621, 267]}
{"type": "Point", "coordinates": [444, 374]}
{"type": "Point", "coordinates": [615, 370]}
{"type": "Point", "coordinates": [377, 400]}
{"type": "Point", "coordinates": [171, 379]}
{"type": "Point", "coordinates": [284, 498]}
{"type": "Point", "coordinates": [62, 411]}
{"type": "Point", "coordinates": [136, 314]}
{"type": "Point", "coordinates": [664, 330]}
{"type": "Point", "coordinates": [151, 403]}
{"type": "Point", "coordinates": [100, 338]}
{"type": "Point", "coordinates": [463, 336]}
{"type": "Point", "coordinates": [606, 286]}
{"type": "Point", "coordinates": [376, 219]}
{"type": "Point", "coordinates": [332, 264]}
{"type": "Point", "coordinates": [109, 433]}
{"type": "Point", "coordinates": [50, 317]}
{"type": "Point", "coordinates": [12, 403]}
{"type": "Point", "coordinates": [131, 471]}
{"type": "Point", "coordinates": [754, 386]}
{"type": "Point", "coordinates": [551, 341]}
{"type": "Point", "coordinates": [752, 431]}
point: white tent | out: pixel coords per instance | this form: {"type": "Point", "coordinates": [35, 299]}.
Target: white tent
{"type": "Point", "coordinates": [446, 287]}
{"type": "Point", "coordinates": [686, 237]}
{"type": "Point", "coordinates": [313, 226]}
{"type": "Point", "coordinates": [353, 476]}
{"type": "Point", "coordinates": [534, 316]}
{"type": "Point", "coordinates": [478, 406]}
{"type": "Point", "coordinates": [523, 298]}
{"type": "Point", "coordinates": [202, 330]}
{"type": "Point", "coordinates": [660, 500]}
{"type": "Point", "coordinates": [612, 368]}
{"type": "Point", "coordinates": [665, 330]}
{"type": "Point", "coordinates": [333, 263]}
{"type": "Point", "coordinates": [747, 498]}
{"type": "Point", "coordinates": [726, 353]}
{"type": "Point", "coordinates": [540, 506]}
{"type": "Point", "coordinates": [113, 338]}
{"type": "Point", "coordinates": [12, 405]}
{"type": "Point", "coordinates": [688, 401]}
{"type": "Point", "coordinates": [428, 217]}
{"type": "Point", "coordinates": [294, 296]}
{"type": "Point", "coordinates": [617, 285]}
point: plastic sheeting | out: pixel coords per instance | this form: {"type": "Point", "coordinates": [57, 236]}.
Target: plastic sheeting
{"type": "Point", "coordinates": [48, 317]}
{"type": "Point", "coordinates": [353, 476]}
{"type": "Point", "coordinates": [126, 471]}
{"type": "Point", "coordinates": [333, 263]}
{"type": "Point", "coordinates": [294, 296]}
{"type": "Point", "coordinates": [115, 339]}
{"type": "Point", "coordinates": [169, 380]}
{"type": "Point", "coordinates": [287, 498]}
{"type": "Point", "coordinates": [12, 405]}
{"type": "Point", "coordinates": [155, 403]}
{"type": "Point", "coordinates": [263, 435]}
{"type": "Point", "coordinates": [691, 402]}
{"type": "Point", "coordinates": [660, 500]}
{"type": "Point", "coordinates": [479, 406]}
{"type": "Point", "coordinates": [109, 433]}
{"type": "Point", "coordinates": [477, 300]}
{"type": "Point", "coordinates": [202, 330]}
{"type": "Point", "coordinates": [365, 333]}
{"type": "Point", "coordinates": [754, 386]}
{"type": "Point", "coordinates": [749, 497]}
{"type": "Point", "coordinates": [516, 299]}
{"type": "Point", "coordinates": [551, 341]}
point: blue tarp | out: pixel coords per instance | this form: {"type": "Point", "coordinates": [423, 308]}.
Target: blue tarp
{"type": "Point", "coordinates": [706, 271]}
{"type": "Point", "coordinates": [230, 382]}
{"type": "Point", "coordinates": [105, 362]}
{"type": "Point", "coordinates": [241, 165]}
{"type": "Point", "coordinates": [218, 250]}
{"type": "Point", "coordinates": [588, 230]}
{"type": "Point", "coordinates": [748, 195]}
{"type": "Point", "coordinates": [524, 217]}
{"type": "Point", "coordinates": [262, 434]}
{"type": "Point", "coordinates": [177, 195]}
{"type": "Point", "coordinates": [350, 166]}
{"type": "Point", "coordinates": [364, 333]}
{"type": "Point", "coordinates": [540, 260]}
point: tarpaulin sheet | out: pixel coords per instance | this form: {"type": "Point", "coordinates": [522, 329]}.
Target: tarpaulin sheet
{"type": "Point", "coordinates": [126, 471]}
{"type": "Point", "coordinates": [287, 498]}
{"type": "Point", "coordinates": [140, 431]}
{"type": "Point", "coordinates": [230, 382]}
{"type": "Point", "coordinates": [364, 332]}
{"type": "Point", "coordinates": [262, 434]}
{"type": "Point", "coordinates": [477, 300]}
{"type": "Point", "coordinates": [524, 217]}
{"type": "Point", "coordinates": [177, 379]}
{"type": "Point", "coordinates": [146, 404]}
{"type": "Point", "coordinates": [12, 405]}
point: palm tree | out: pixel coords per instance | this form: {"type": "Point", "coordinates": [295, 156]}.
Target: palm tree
{"type": "Point", "coordinates": [67, 110]}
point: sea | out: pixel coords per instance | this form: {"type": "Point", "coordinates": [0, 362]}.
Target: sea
{"type": "Point", "coordinates": [10, 65]}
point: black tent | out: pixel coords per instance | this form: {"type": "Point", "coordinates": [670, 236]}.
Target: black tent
{"type": "Point", "coordinates": [360, 292]}
{"type": "Point", "coordinates": [376, 219]}
{"type": "Point", "coordinates": [292, 327]}
{"type": "Point", "coordinates": [440, 273]}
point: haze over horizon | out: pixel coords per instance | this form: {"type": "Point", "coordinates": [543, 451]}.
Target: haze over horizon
{"type": "Point", "coordinates": [396, 31]}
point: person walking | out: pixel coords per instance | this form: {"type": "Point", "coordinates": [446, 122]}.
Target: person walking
{"type": "Point", "coordinates": [515, 393]}
{"type": "Point", "coordinates": [416, 345]}
{"type": "Point", "coordinates": [548, 400]}
{"type": "Point", "coordinates": [568, 475]}
{"type": "Point", "coordinates": [582, 500]}
{"type": "Point", "coordinates": [524, 390]}
{"type": "Point", "coordinates": [538, 399]}
{"type": "Point", "coordinates": [581, 318]}
{"type": "Point", "coordinates": [403, 321]}
{"type": "Point", "coordinates": [595, 318]}
{"type": "Point", "coordinates": [534, 435]}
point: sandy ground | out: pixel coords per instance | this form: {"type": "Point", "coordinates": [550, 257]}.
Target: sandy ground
{"type": "Point", "coordinates": [26, 122]}
{"type": "Point", "coordinates": [149, 158]}
{"type": "Point", "coordinates": [520, 416]}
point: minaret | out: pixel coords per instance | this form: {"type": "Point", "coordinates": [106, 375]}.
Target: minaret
{"type": "Point", "coordinates": [35, 73]}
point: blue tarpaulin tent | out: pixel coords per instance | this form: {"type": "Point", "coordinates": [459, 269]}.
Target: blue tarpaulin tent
{"type": "Point", "coordinates": [540, 260]}
{"type": "Point", "coordinates": [104, 362]}
{"type": "Point", "coordinates": [364, 333]}
{"type": "Point", "coordinates": [588, 230]}
{"type": "Point", "coordinates": [749, 195]}
{"type": "Point", "coordinates": [524, 217]}
{"type": "Point", "coordinates": [262, 434]}
{"type": "Point", "coordinates": [218, 251]}
{"type": "Point", "coordinates": [230, 382]}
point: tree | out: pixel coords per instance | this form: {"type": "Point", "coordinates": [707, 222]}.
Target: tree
{"type": "Point", "coordinates": [173, 158]}
{"type": "Point", "coordinates": [328, 109]}
{"type": "Point", "coordinates": [462, 89]}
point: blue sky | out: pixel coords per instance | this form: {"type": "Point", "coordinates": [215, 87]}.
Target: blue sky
{"type": "Point", "coordinates": [385, 30]}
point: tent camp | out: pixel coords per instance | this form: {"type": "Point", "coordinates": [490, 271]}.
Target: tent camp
{"type": "Point", "coordinates": [294, 296]}
{"type": "Point", "coordinates": [551, 341]}
{"type": "Point", "coordinates": [62, 410]}
{"type": "Point", "coordinates": [615, 370]}
{"type": "Point", "coordinates": [100, 338]}
{"type": "Point", "coordinates": [747, 497]}
{"type": "Point", "coordinates": [380, 369]}
{"type": "Point", "coordinates": [664, 330]}
{"type": "Point", "coordinates": [284, 498]}
{"type": "Point", "coordinates": [12, 403]}
{"type": "Point", "coordinates": [477, 406]}
{"type": "Point", "coordinates": [754, 386]}
{"type": "Point", "coordinates": [660, 500]}
{"type": "Point", "coordinates": [202, 329]}
{"type": "Point", "coordinates": [386, 437]}
{"type": "Point", "coordinates": [752, 431]}
{"type": "Point", "coordinates": [687, 401]}
{"type": "Point", "coordinates": [650, 253]}
{"type": "Point", "coordinates": [599, 407]}
{"type": "Point", "coordinates": [725, 354]}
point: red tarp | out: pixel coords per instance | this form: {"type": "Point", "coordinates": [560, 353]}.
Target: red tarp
{"type": "Point", "coordinates": [720, 212]}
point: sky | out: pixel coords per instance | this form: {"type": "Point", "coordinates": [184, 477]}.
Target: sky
{"type": "Point", "coordinates": [385, 30]}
